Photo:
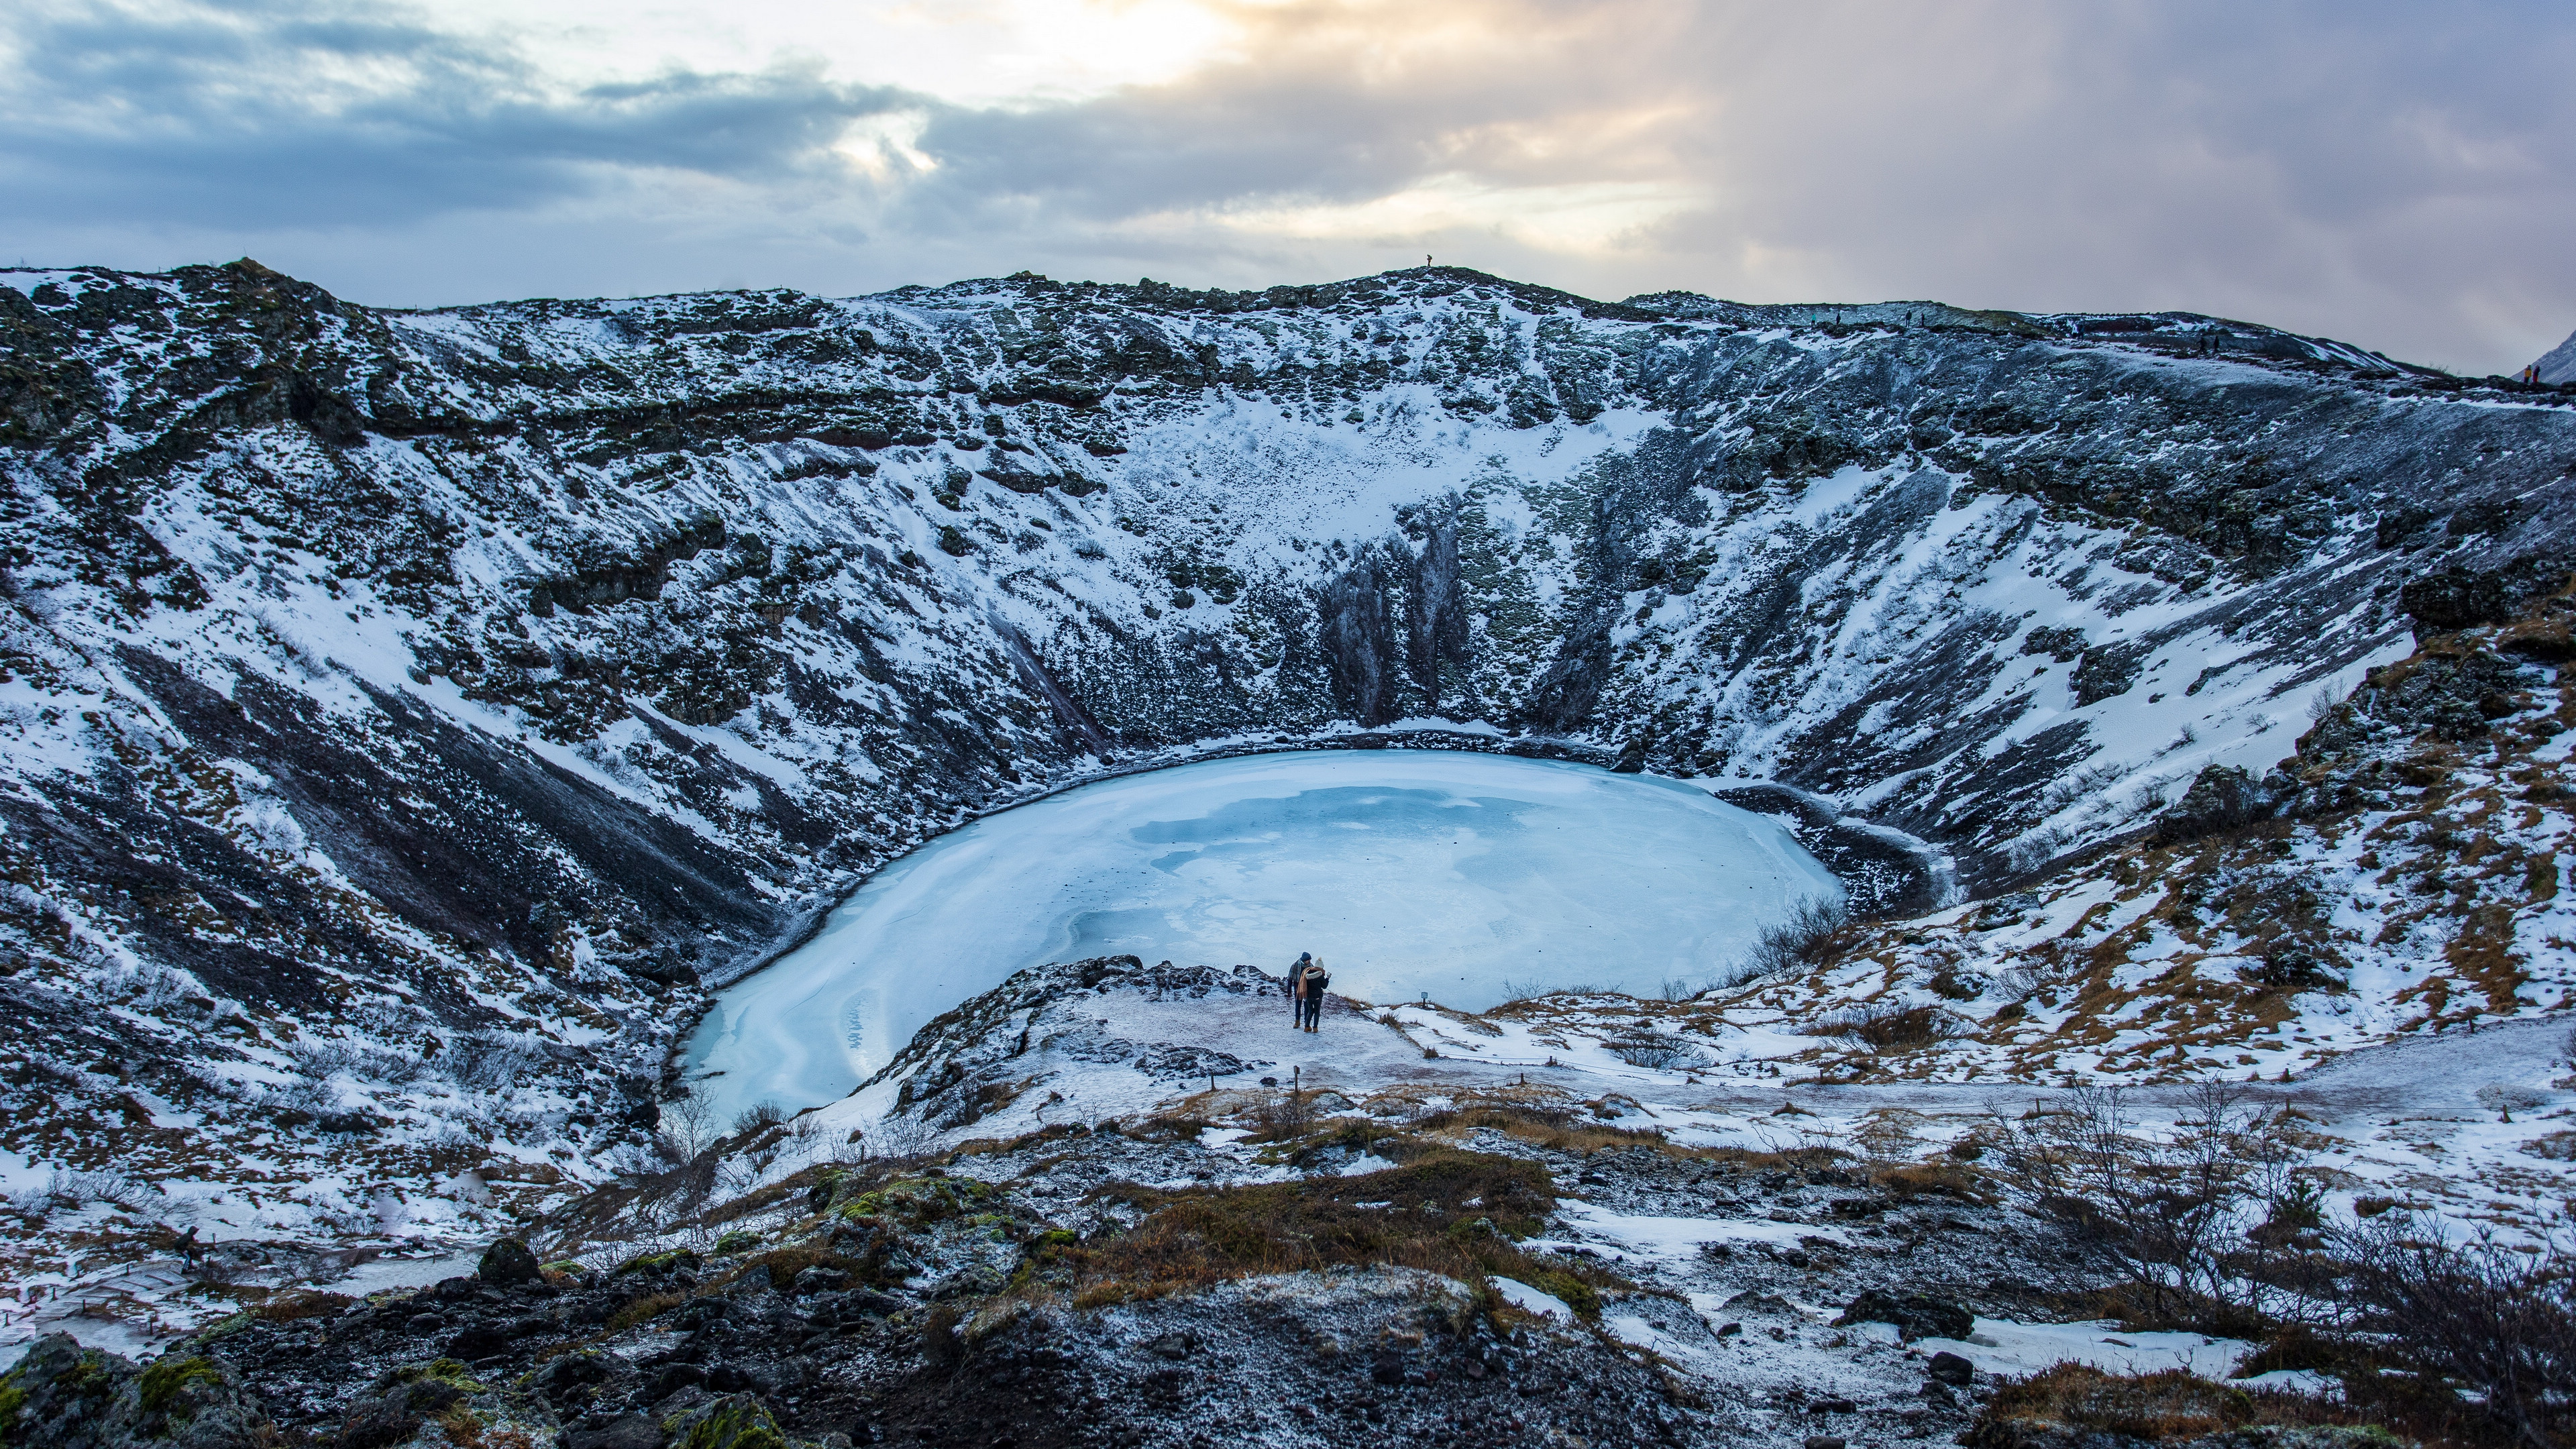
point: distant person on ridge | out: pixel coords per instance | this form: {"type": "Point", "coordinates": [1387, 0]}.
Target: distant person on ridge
{"type": "Point", "coordinates": [1296, 978]}
{"type": "Point", "coordinates": [1311, 981]}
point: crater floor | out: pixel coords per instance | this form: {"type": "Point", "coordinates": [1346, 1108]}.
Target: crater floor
{"type": "Point", "coordinates": [1463, 876]}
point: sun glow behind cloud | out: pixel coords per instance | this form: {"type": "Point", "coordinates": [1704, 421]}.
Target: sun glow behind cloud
{"type": "Point", "coordinates": [1024, 55]}
{"type": "Point", "coordinates": [2375, 171]}
{"type": "Point", "coordinates": [1587, 219]}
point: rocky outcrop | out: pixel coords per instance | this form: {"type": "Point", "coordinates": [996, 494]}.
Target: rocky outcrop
{"type": "Point", "coordinates": [2224, 797]}
{"type": "Point", "coordinates": [68, 1397]}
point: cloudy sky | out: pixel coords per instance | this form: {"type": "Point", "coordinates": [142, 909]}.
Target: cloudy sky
{"type": "Point", "coordinates": [2400, 175]}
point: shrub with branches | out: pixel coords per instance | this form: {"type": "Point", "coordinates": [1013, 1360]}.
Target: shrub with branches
{"type": "Point", "coordinates": [1891, 1026]}
{"type": "Point", "coordinates": [758, 1115]}
{"type": "Point", "coordinates": [2499, 1321]}
{"type": "Point", "coordinates": [1800, 939]}
{"type": "Point", "coordinates": [2210, 1225]}
{"type": "Point", "coordinates": [1656, 1052]}
{"type": "Point", "coordinates": [1283, 1117]}
{"type": "Point", "coordinates": [899, 1138]}
{"type": "Point", "coordinates": [688, 1125]}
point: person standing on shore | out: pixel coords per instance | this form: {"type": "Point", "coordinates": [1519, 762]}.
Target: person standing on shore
{"type": "Point", "coordinates": [1311, 981]}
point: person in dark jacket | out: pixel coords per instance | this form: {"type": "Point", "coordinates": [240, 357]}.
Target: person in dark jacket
{"type": "Point", "coordinates": [1297, 974]}
{"type": "Point", "coordinates": [1311, 981]}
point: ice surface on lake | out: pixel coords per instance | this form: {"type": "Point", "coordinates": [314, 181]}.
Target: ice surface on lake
{"type": "Point", "coordinates": [1406, 871]}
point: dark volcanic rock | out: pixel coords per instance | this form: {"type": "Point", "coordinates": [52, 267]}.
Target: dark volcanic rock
{"type": "Point", "coordinates": [507, 1263]}
{"type": "Point", "coordinates": [1916, 1315]}
{"type": "Point", "coordinates": [64, 1396]}
{"type": "Point", "coordinates": [2222, 797]}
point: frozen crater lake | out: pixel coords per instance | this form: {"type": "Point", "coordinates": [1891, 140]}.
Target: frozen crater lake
{"type": "Point", "coordinates": [1408, 872]}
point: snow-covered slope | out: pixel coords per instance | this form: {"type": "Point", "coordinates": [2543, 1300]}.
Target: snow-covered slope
{"type": "Point", "coordinates": [2558, 364]}
{"type": "Point", "coordinates": [405, 712]}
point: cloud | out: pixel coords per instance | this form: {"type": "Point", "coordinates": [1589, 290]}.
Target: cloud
{"type": "Point", "coordinates": [2387, 173]}
{"type": "Point", "coordinates": [301, 116]}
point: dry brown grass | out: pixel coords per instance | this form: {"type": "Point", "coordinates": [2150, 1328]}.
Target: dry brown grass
{"type": "Point", "coordinates": [1934, 1179]}
{"type": "Point", "coordinates": [1170, 1127]}
{"type": "Point", "coordinates": [2177, 1405]}
{"type": "Point", "coordinates": [649, 1306]}
{"type": "Point", "coordinates": [1560, 1128]}
{"type": "Point", "coordinates": [1795, 1159]}
{"type": "Point", "coordinates": [781, 1265]}
{"type": "Point", "coordinates": [1001, 1147]}
{"type": "Point", "coordinates": [1887, 1027]}
{"type": "Point", "coordinates": [1444, 1211]}
{"type": "Point", "coordinates": [2170, 1405]}
{"type": "Point", "coordinates": [300, 1303]}
{"type": "Point", "coordinates": [763, 1198]}
{"type": "Point", "coordinates": [1355, 1134]}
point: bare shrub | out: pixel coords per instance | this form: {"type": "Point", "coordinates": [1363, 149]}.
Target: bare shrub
{"type": "Point", "coordinates": [2084, 784]}
{"type": "Point", "coordinates": [1889, 1026]}
{"type": "Point", "coordinates": [490, 1061]}
{"type": "Point", "coordinates": [1531, 991]}
{"type": "Point", "coordinates": [1285, 1117]}
{"type": "Point", "coordinates": [2209, 1226]}
{"type": "Point", "coordinates": [688, 1125]}
{"type": "Point", "coordinates": [757, 1116]}
{"type": "Point", "coordinates": [1656, 1052]}
{"type": "Point", "coordinates": [2034, 850]}
{"type": "Point", "coordinates": [898, 1136]}
{"type": "Point", "coordinates": [665, 1199]}
{"type": "Point", "coordinates": [318, 1059]}
{"type": "Point", "coordinates": [1799, 940]}
{"type": "Point", "coordinates": [2021, 982]}
{"type": "Point", "coordinates": [150, 987]}
{"type": "Point", "coordinates": [1888, 1138]}
{"type": "Point", "coordinates": [2500, 1321]}
{"type": "Point", "coordinates": [846, 1149]}
{"type": "Point", "coordinates": [2323, 703]}
{"type": "Point", "coordinates": [73, 1191]}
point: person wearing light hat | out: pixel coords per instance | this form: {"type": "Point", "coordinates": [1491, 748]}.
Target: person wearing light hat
{"type": "Point", "coordinates": [1306, 991]}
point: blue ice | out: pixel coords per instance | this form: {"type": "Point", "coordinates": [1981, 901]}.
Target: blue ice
{"type": "Point", "coordinates": [1408, 872]}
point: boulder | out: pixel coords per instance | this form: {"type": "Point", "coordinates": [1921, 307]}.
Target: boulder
{"type": "Point", "coordinates": [819, 1279]}
{"type": "Point", "coordinates": [2456, 598]}
{"type": "Point", "coordinates": [506, 1263]}
{"type": "Point", "coordinates": [2222, 797]}
{"type": "Point", "coordinates": [476, 1341]}
{"type": "Point", "coordinates": [1951, 1369]}
{"type": "Point", "coordinates": [1916, 1315]}
{"type": "Point", "coordinates": [735, 1421]}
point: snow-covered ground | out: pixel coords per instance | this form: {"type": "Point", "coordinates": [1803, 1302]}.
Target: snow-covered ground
{"type": "Point", "coordinates": [2473, 1126]}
